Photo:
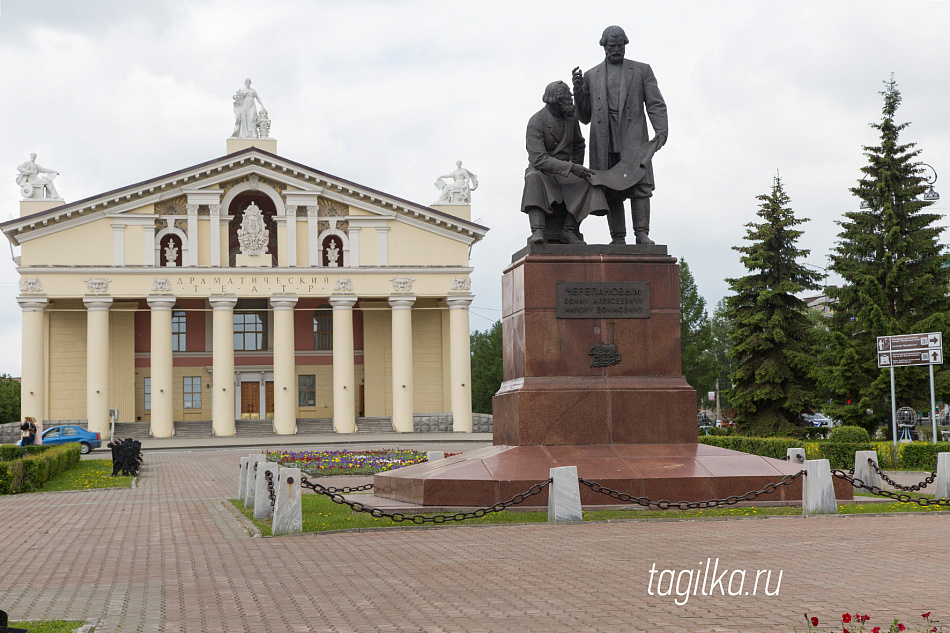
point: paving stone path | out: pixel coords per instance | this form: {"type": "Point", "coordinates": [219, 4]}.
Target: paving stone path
{"type": "Point", "coordinates": [167, 556]}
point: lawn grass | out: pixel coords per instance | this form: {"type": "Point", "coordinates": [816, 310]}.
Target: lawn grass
{"type": "Point", "coordinates": [320, 514]}
{"type": "Point", "coordinates": [48, 626]}
{"type": "Point", "coordinates": [88, 474]}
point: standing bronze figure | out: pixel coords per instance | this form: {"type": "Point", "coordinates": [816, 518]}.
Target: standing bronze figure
{"type": "Point", "coordinates": [615, 97]}
{"type": "Point", "coordinates": [556, 183]}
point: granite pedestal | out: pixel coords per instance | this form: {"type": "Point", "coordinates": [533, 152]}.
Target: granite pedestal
{"type": "Point", "coordinates": [593, 379]}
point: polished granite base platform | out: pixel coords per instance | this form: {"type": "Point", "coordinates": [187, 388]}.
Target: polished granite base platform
{"type": "Point", "coordinates": [675, 472]}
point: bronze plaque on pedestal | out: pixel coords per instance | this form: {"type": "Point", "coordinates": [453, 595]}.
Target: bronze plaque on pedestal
{"type": "Point", "coordinates": [603, 300]}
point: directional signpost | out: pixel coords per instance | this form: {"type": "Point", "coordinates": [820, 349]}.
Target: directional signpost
{"type": "Point", "coordinates": [903, 350]}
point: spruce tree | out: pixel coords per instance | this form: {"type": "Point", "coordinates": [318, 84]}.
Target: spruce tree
{"type": "Point", "coordinates": [895, 278]}
{"type": "Point", "coordinates": [771, 332]}
{"type": "Point", "coordinates": [699, 365]}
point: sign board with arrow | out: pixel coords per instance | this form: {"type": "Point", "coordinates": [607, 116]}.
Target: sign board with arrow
{"type": "Point", "coordinates": [910, 349]}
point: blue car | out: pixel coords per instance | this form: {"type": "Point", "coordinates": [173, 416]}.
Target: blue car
{"type": "Point", "coordinates": [63, 434]}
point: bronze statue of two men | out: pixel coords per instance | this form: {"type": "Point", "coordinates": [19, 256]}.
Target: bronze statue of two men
{"type": "Point", "coordinates": [615, 97]}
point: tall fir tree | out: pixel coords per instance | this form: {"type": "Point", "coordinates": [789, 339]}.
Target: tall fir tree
{"type": "Point", "coordinates": [771, 333]}
{"type": "Point", "coordinates": [487, 366]}
{"type": "Point", "coordinates": [699, 365]}
{"type": "Point", "coordinates": [896, 281]}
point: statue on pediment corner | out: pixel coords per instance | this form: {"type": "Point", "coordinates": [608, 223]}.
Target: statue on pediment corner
{"type": "Point", "coordinates": [36, 183]}
{"type": "Point", "coordinates": [245, 112]}
{"type": "Point", "coordinates": [459, 189]}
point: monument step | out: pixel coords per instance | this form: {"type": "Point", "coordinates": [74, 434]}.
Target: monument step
{"type": "Point", "coordinates": [374, 425]}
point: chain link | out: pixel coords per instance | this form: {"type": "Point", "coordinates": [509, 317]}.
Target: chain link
{"type": "Point", "coordinates": [691, 505]}
{"type": "Point", "coordinates": [421, 519]}
{"type": "Point", "coordinates": [349, 489]}
{"type": "Point", "coordinates": [902, 497]}
{"type": "Point", "coordinates": [915, 488]}
{"type": "Point", "coordinates": [270, 487]}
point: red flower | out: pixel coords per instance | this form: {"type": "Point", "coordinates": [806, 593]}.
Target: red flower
{"type": "Point", "coordinates": [925, 615]}
{"type": "Point", "coordinates": [901, 627]}
{"type": "Point", "coordinates": [876, 629]}
{"type": "Point", "coordinates": [814, 621]}
{"type": "Point", "coordinates": [844, 630]}
{"type": "Point", "coordinates": [846, 618]}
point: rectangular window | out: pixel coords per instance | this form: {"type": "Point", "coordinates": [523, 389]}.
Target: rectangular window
{"type": "Point", "coordinates": [192, 392]}
{"type": "Point", "coordinates": [250, 325]}
{"type": "Point", "coordinates": [148, 394]}
{"type": "Point", "coordinates": [179, 323]}
{"type": "Point", "coordinates": [323, 330]}
{"type": "Point", "coordinates": [306, 391]}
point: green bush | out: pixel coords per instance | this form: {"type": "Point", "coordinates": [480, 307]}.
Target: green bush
{"type": "Point", "coordinates": [776, 447]}
{"type": "Point", "coordinates": [841, 454]}
{"type": "Point", "coordinates": [32, 471]}
{"type": "Point", "coordinates": [9, 452]}
{"type": "Point", "coordinates": [921, 455]}
{"type": "Point", "coordinates": [850, 435]}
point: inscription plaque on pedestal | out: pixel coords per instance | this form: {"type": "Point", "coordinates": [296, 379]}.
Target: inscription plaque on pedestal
{"type": "Point", "coordinates": [603, 300]}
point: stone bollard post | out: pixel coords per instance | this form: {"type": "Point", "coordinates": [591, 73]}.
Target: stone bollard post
{"type": "Point", "coordinates": [942, 489]}
{"type": "Point", "coordinates": [250, 483]}
{"type": "Point", "coordinates": [431, 456]}
{"type": "Point", "coordinates": [796, 456]}
{"type": "Point", "coordinates": [818, 490]}
{"type": "Point", "coordinates": [242, 484]}
{"type": "Point", "coordinates": [263, 510]}
{"type": "Point", "coordinates": [564, 495]}
{"type": "Point", "coordinates": [288, 513]}
{"type": "Point", "coordinates": [863, 470]}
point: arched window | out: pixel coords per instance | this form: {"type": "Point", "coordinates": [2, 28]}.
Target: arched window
{"type": "Point", "coordinates": [170, 250]}
{"type": "Point", "coordinates": [179, 327]}
{"type": "Point", "coordinates": [323, 328]}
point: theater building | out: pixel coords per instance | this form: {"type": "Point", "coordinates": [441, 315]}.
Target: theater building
{"type": "Point", "coordinates": [249, 291]}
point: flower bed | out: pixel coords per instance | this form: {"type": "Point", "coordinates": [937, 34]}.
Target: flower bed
{"type": "Point", "coordinates": [858, 623]}
{"type": "Point", "coordinates": [328, 463]}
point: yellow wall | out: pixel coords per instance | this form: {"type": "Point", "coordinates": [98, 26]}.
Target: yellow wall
{"type": "Point", "coordinates": [301, 243]}
{"type": "Point", "coordinates": [281, 244]}
{"type": "Point", "coordinates": [204, 241]}
{"type": "Point", "coordinates": [369, 247]}
{"type": "Point", "coordinates": [148, 208]}
{"type": "Point", "coordinates": [88, 245]}
{"type": "Point", "coordinates": [134, 246]}
{"type": "Point", "coordinates": [427, 358]}
{"type": "Point", "coordinates": [178, 389]}
{"type": "Point", "coordinates": [122, 363]}
{"type": "Point", "coordinates": [67, 361]}
{"type": "Point", "coordinates": [409, 245]}
{"type": "Point", "coordinates": [377, 327]}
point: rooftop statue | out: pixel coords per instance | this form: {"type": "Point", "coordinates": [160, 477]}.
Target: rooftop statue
{"type": "Point", "coordinates": [33, 184]}
{"type": "Point", "coordinates": [612, 97]}
{"type": "Point", "coordinates": [458, 190]}
{"type": "Point", "coordinates": [246, 119]}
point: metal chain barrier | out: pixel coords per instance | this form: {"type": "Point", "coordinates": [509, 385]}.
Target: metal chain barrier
{"type": "Point", "coordinates": [348, 489]}
{"type": "Point", "coordinates": [691, 505]}
{"type": "Point", "coordinates": [903, 498]}
{"type": "Point", "coordinates": [421, 519]}
{"type": "Point", "coordinates": [270, 487]}
{"type": "Point", "coordinates": [915, 488]}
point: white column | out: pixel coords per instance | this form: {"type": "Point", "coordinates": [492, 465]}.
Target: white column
{"type": "Point", "coordinates": [215, 235]}
{"type": "Point", "coordinates": [33, 368]}
{"type": "Point", "coordinates": [461, 362]}
{"type": "Point", "coordinates": [291, 241]}
{"type": "Point", "coordinates": [222, 400]}
{"type": "Point", "coordinates": [354, 235]}
{"type": "Point", "coordinates": [163, 423]}
{"type": "Point", "coordinates": [402, 363]}
{"type": "Point", "coordinates": [313, 244]}
{"type": "Point", "coordinates": [285, 384]}
{"type": "Point", "coordinates": [149, 232]}
{"type": "Point", "coordinates": [192, 236]}
{"type": "Point", "coordinates": [97, 363]}
{"type": "Point", "coordinates": [382, 236]}
{"type": "Point", "coordinates": [118, 244]}
{"type": "Point", "coordinates": [344, 398]}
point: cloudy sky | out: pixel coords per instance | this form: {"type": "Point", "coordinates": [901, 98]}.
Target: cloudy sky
{"type": "Point", "coordinates": [391, 94]}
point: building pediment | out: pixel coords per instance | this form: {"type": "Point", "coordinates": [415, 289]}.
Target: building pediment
{"type": "Point", "coordinates": [198, 188]}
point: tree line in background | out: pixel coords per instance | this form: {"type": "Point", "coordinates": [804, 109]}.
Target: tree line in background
{"type": "Point", "coordinates": [772, 357]}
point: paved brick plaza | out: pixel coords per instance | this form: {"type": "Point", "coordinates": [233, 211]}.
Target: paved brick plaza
{"type": "Point", "coordinates": [168, 557]}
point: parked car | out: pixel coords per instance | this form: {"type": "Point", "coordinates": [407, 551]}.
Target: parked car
{"type": "Point", "coordinates": [64, 434]}
{"type": "Point", "coordinates": [819, 420]}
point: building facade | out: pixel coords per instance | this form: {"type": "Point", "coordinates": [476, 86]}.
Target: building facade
{"type": "Point", "coordinates": [249, 287]}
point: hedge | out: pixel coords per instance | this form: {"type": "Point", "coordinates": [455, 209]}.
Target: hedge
{"type": "Point", "coordinates": [850, 435]}
{"type": "Point", "coordinates": [9, 452]}
{"type": "Point", "coordinates": [910, 455]}
{"type": "Point", "coordinates": [31, 472]}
